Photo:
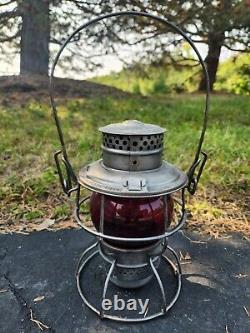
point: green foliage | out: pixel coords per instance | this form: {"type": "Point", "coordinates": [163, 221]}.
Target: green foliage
{"type": "Point", "coordinates": [33, 215]}
{"type": "Point", "coordinates": [62, 211]}
{"type": "Point", "coordinates": [159, 85]}
{"type": "Point", "coordinates": [234, 75]}
{"type": "Point", "coordinates": [150, 82]}
{"type": "Point", "coordinates": [136, 88]}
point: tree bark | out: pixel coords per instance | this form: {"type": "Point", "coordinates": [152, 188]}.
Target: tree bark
{"type": "Point", "coordinates": [212, 60]}
{"type": "Point", "coordinates": [35, 35]}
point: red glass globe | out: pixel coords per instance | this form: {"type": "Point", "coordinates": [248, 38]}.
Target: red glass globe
{"type": "Point", "coordinates": [131, 217]}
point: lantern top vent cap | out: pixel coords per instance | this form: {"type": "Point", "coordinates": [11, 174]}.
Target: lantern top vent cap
{"type": "Point", "coordinates": [132, 127]}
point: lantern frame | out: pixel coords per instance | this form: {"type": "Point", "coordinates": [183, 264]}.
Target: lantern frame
{"type": "Point", "coordinates": [71, 183]}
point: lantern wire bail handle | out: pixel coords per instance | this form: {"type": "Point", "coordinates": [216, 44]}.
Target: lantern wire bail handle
{"type": "Point", "coordinates": [200, 157]}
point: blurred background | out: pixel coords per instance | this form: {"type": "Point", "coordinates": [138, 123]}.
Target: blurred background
{"type": "Point", "coordinates": [121, 68]}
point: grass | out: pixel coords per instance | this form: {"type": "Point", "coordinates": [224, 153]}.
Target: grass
{"type": "Point", "coordinates": [30, 190]}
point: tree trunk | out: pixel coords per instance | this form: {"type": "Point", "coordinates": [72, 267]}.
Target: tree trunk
{"type": "Point", "coordinates": [35, 35]}
{"type": "Point", "coordinates": [212, 60]}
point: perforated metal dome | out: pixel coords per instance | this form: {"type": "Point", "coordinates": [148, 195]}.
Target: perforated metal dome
{"type": "Point", "coordinates": [132, 145]}
{"type": "Point", "coordinates": [132, 135]}
{"type": "Point", "coordinates": [132, 163]}
{"type": "Point", "coordinates": [132, 127]}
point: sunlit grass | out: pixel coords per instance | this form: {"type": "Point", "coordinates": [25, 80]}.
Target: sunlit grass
{"type": "Point", "coordinates": [28, 138]}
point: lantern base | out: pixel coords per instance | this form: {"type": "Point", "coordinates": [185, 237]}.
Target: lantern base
{"type": "Point", "coordinates": [132, 269]}
{"type": "Point", "coordinates": [88, 291]}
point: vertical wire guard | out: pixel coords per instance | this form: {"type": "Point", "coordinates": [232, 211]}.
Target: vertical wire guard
{"type": "Point", "coordinates": [102, 207]}
{"type": "Point", "coordinates": [165, 206]}
{"type": "Point", "coordinates": [78, 199]}
{"type": "Point", "coordinates": [83, 255]}
{"type": "Point", "coordinates": [158, 279]}
{"type": "Point", "coordinates": [178, 273]}
{"type": "Point", "coordinates": [175, 28]}
{"type": "Point", "coordinates": [105, 288]}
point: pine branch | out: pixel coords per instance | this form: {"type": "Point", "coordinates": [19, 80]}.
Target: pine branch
{"type": "Point", "coordinates": [7, 3]}
{"type": "Point", "coordinates": [10, 38]}
{"type": "Point", "coordinates": [236, 49]}
{"type": "Point", "coordinates": [10, 14]}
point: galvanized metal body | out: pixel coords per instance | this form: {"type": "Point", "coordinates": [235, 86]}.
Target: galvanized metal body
{"type": "Point", "coordinates": [132, 268]}
{"type": "Point", "coordinates": [132, 163]}
{"type": "Point", "coordinates": [164, 180]}
{"type": "Point", "coordinates": [132, 146]}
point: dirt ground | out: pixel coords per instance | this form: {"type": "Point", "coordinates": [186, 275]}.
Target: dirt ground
{"type": "Point", "coordinates": [18, 90]}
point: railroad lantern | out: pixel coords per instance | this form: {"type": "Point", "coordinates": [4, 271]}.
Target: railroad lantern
{"type": "Point", "coordinates": [132, 198]}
